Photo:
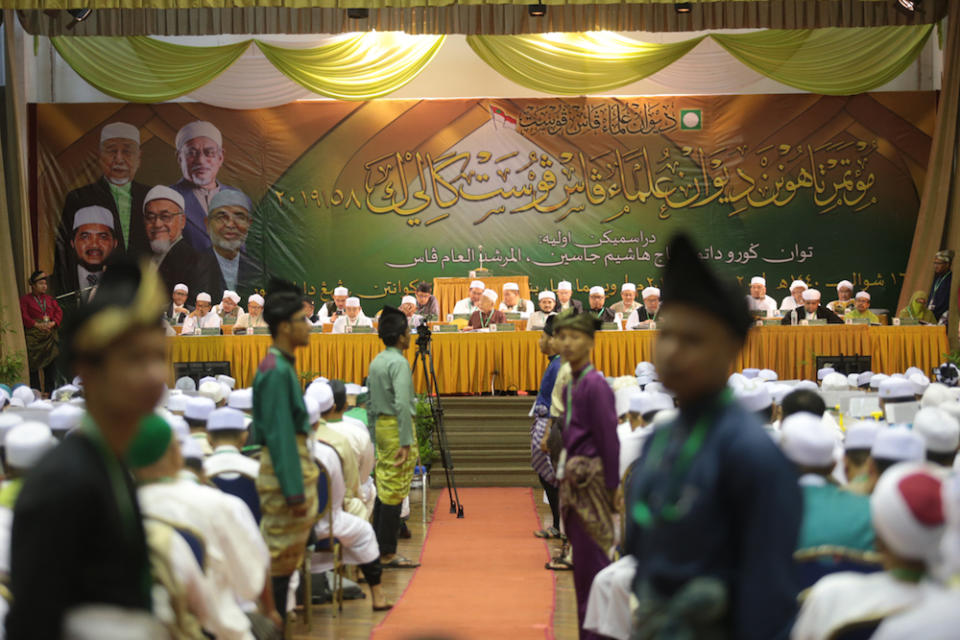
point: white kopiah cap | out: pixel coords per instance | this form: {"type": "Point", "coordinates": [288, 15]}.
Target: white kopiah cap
{"type": "Point", "coordinates": [647, 401]}
{"type": "Point", "coordinates": [181, 287]}
{"type": "Point", "coordinates": [353, 389]}
{"type": "Point", "coordinates": [920, 383]}
{"type": "Point", "coordinates": [190, 449]}
{"type": "Point", "coordinates": [768, 375]}
{"type": "Point", "coordinates": [313, 409]}
{"type": "Point", "coordinates": [227, 380]}
{"type": "Point", "coordinates": [844, 284]}
{"type": "Point", "coordinates": [750, 372]}
{"type": "Point", "coordinates": [322, 394]}
{"type": "Point", "coordinates": [207, 379]}
{"type": "Point", "coordinates": [92, 215]}
{"type": "Point", "coordinates": [895, 388]}
{"type": "Point", "coordinates": [199, 408]}
{"type": "Point", "coordinates": [597, 291]}
{"type": "Point", "coordinates": [119, 130]}
{"type": "Point", "coordinates": [940, 431]}
{"type": "Point", "coordinates": [650, 291]}
{"type": "Point", "coordinates": [341, 291]}
{"type": "Point", "coordinates": [547, 294]}
{"type": "Point", "coordinates": [241, 399]}
{"type": "Point", "coordinates": [753, 396]}
{"type": "Point", "coordinates": [256, 298]}
{"type": "Point", "coordinates": [27, 442]}
{"type": "Point", "coordinates": [408, 300]}
{"type": "Point", "coordinates": [476, 284]}
{"type": "Point", "coordinates": [24, 394]}
{"type": "Point", "coordinates": [807, 441]}
{"type": "Point", "coordinates": [232, 296]}
{"type": "Point", "coordinates": [491, 294]}
{"type": "Point", "coordinates": [214, 391]}
{"type": "Point", "coordinates": [353, 302]}
{"type": "Point", "coordinates": [511, 286]}
{"type": "Point", "coordinates": [900, 444]}
{"type": "Point", "coordinates": [935, 395]}
{"type": "Point", "coordinates": [162, 192]}
{"type": "Point", "coordinates": [225, 419]}
{"type": "Point", "coordinates": [908, 513]}
{"type": "Point", "coordinates": [179, 426]}
{"type": "Point", "coordinates": [798, 283]}
{"type": "Point", "coordinates": [861, 435]}
{"type": "Point", "coordinates": [203, 297]}
{"type": "Point", "coordinates": [862, 295]}
{"type": "Point", "coordinates": [564, 285]}
{"type": "Point", "coordinates": [877, 379]}
{"type": "Point", "coordinates": [823, 373]}
{"type": "Point", "coordinates": [198, 129]}
{"type": "Point", "coordinates": [177, 402]}
{"type": "Point", "coordinates": [65, 417]}
{"type": "Point", "coordinates": [835, 382]}
{"type": "Point", "coordinates": [757, 280]}
{"type": "Point", "coordinates": [810, 295]}
{"type": "Point", "coordinates": [8, 421]}
{"type": "Point", "coordinates": [628, 286]}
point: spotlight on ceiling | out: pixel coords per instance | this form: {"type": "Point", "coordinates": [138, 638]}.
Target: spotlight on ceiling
{"type": "Point", "coordinates": [682, 7]}
{"type": "Point", "coordinates": [909, 7]}
{"type": "Point", "coordinates": [358, 14]}
{"type": "Point", "coordinates": [536, 10]}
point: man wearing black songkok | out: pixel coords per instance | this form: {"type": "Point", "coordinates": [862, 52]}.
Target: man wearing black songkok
{"type": "Point", "coordinates": [713, 507]}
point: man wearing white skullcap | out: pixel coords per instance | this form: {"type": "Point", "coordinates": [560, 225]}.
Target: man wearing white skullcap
{"type": "Point", "coordinates": [907, 512]}
{"type": "Point", "coordinates": [844, 301]}
{"type": "Point", "coordinates": [117, 192]}
{"type": "Point", "coordinates": [202, 317]}
{"type": "Point", "coordinates": [811, 310]}
{"type": "Point", "coordinates": [253, 318]}
{"type": "Point", "coordinates": [941, 435]}
{"type": "Point", "coordinates": [795, 299]}
{"type": "Point", "coordinates": [598, 296]}
{"type": "Point", "coordinates": [352, 318]}
{"type": "Point", "coordinates": [408, 305]}
{"type": "Point", "coordinates": [547, 301]}
{"type": "Point", "coordinates": [487, 315]}
{"type": "Point", "coordinates": [831, 515]}
{"type": "Point", "coordinates": [229, 309]}
{"type": "Point", "coordinates": [641, 317]}
{"type": "Point", "coordinates": [565, 297]}
{"type": "Point", "coordinates": [335, 307]}
{"type": "Point", "coordinates": [861, 308]}
{"type": "Point", "coordinates": [472, 302]}
{"type": "Point", "coordinates": [200, 156]}
{"type": "Point", "coordinates": [893, 445]}
{"type": "Point", "coordinates": [178, 262]}
{"type": "Point", "coordinates": [513, 303]}
{"type": "Point", "coordinates": [228, 223]}
{"type": "Point", "coordinates": [758, 300]}
{"type": "Point", "coordinates": [178, 309]}
{"type": "Point", "coordinates": [628, 300]}
{"type": "Point", "coordinates": [227, 432]}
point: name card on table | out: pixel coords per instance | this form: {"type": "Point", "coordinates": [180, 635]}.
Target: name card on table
{"type": "Point", "coordinates": [857, 320]}
{"type": "Point", "coordinates": [758, 314]}
{"type": "Point", "coordinates": [771, 322]}
{"type": "Point", "coordinates": [609, 326]}
{"type": "Point", "coordinates": [446, 328]}
{"type": "Point", "coordinates": [317, 328]}
{"type": "Point", "coordinates": [362, 330]}
{"type": "Point", "coordinates": [505, 326]}
{"type": "Point", "coordinates": [213, 331]}
{"type": "Point", "coordinates": [816, 322]}
{"type": "Point", "coordinates": [906, 322]}
{"type": "Point", "coordinates": [513, 315]}
{"type": "Point", "coordinates": [261, 331]}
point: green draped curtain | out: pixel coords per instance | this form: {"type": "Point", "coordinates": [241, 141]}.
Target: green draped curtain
{"type": "Point", "coordinates": [830, 61]}
{"type": "Point", "coordinates": [576, 63]}
{"type": "Point", "coordinates": [141, 69]}
{"type": "Point", "coordinates": [362, 67]}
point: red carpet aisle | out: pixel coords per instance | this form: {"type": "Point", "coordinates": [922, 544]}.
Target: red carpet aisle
{"type": "Point", "coordinates": [482, 577]}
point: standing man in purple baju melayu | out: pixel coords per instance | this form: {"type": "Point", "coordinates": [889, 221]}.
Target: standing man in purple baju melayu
{"type": "Point", "coordinates": [589, 466]}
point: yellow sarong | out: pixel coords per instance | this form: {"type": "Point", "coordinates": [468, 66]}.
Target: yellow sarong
{"type": "Point", "coordinates": [286, 535]}
{"type": "Point", "coordinates": [393, 483]}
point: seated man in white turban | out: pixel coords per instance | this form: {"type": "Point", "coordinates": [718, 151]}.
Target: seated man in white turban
{"type": "Point", "coordinates": [203, 317]}
{"type": "Point", "coordinates": [565, 297]}
{"type": "Point", "coordinates": [408, 305]}
{"type": "Point", "coordinates": [513, 303]}
{"type": "Point", "coordinates": [628, 300]}
{"type": "Point", "coordinates": [758, 300]}
{"type": "Point", "coordinates": [331, 310]}
{"type": "Point", "coordinates": [641, 317]}
{"type": "Point", "coordinates": [811, 310]}
{"type": "Point", "coordinates": [844, 301]}
{"type": "Point", "coordinates": [795, 299]}
{"type": "Point", "coordinates": [472, 302]}
{"type": "Point", "coordinates": [178, 309]}
{"type": "Point", "coordinates": [907, 512]}
{"type": "Point", "coordinates": [253, 319]}
{"type": "Point", "coordinates": [597, 298]}
{"type": "Point", "coordinates": [229, 308]}
{"type": "Point", "coordinates": [548, 304]}
{"type": "Point", "coordinates": [861, 309]}
{"type": "Point", "coordinates": [353, 318]}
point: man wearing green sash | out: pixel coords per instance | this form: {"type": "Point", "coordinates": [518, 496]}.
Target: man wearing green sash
{"type": "Point", "coordinates": [287, 482]}
{"type": "Point", "coordinates": [78, 544]}
{"type": "Point", "coordinates": [390, 415]}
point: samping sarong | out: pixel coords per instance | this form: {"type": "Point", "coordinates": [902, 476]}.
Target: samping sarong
{"type": "Point", "coordinates": [285, 534]}
{"type": "Point", "coordinates": [43, 347]}
{"type": "Point", "coordinates": [393, 483]}
{"type": "Point", "coordinates": [539, 459]}
{"type": "Point", "coordinates": [584, 492]}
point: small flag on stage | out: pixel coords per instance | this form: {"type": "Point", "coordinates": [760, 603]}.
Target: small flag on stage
{"type": "Point", "coordinates": [691, 120]}
{"type": "Point", "coordinates": [502, 117]}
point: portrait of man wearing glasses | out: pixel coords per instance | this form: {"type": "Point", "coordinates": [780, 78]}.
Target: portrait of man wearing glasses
{"type": "Point", "coordinates": [200, 156]}
{"type": "Point", "coordinates": [228, 223]}
{"type": "Point", "coordinates": [164, 219]}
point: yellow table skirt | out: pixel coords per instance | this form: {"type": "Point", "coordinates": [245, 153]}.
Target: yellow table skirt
{"type": "Point", "coordinates": [476, 362]}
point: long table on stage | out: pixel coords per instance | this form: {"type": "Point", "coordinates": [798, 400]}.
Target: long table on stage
{"type": "Point", "coordinates": [478, 362]}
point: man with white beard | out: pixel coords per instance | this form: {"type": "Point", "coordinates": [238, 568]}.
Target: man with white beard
{"type": "Point", "coordinates": [228, 223]}
{"type": "Point", "coordinates": [178, 262]}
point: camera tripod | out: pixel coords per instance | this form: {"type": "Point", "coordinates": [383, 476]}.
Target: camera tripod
{"type": "Point", "coordinates": [424, 358]}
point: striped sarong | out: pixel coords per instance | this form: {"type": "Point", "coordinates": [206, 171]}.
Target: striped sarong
{"type": "Point", "coordinates": [286, 535]}
{"type": "Point", "coordinates": [539, 459]}
{"type": "Point", "coordinates": [393, 483]}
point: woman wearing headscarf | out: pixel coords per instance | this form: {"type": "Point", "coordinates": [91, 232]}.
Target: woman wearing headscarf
{"type": "Point", "coordinates": [917, 309]}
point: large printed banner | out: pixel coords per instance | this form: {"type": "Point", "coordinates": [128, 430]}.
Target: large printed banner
{"type": "Point", "coordinates": [380, 195]}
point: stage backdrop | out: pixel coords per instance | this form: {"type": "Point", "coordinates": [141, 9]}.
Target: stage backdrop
{"type": "Point", "coordinates": [379, 195]}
